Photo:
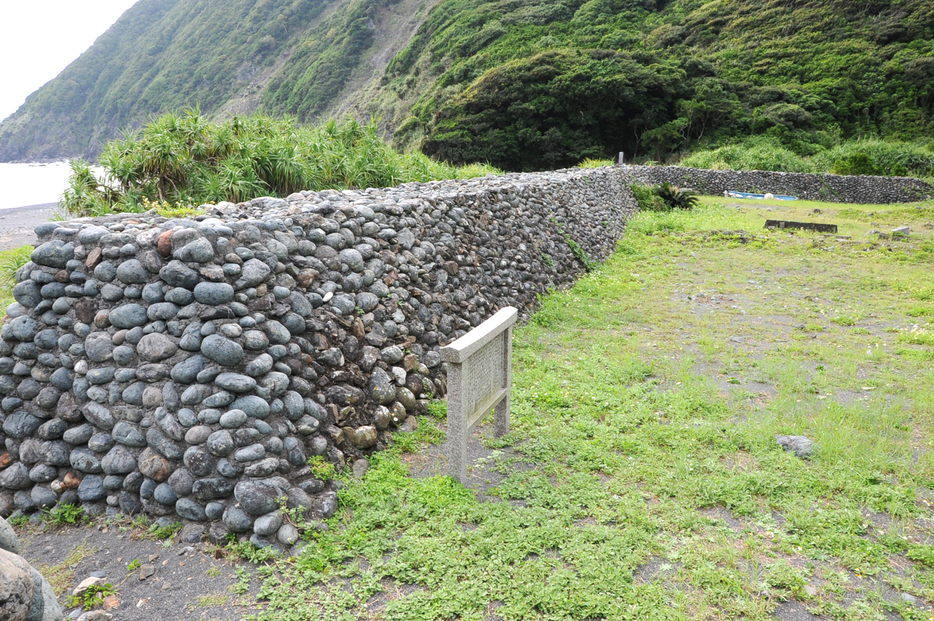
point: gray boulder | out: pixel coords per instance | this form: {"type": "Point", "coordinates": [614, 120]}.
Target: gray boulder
{"type": "Point", "coordinates": [802, 446]}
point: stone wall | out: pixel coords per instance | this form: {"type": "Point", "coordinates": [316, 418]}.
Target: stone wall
{"type": "Point", "coordinates": [189, 368]}
{"type": "Point", "coordinates": [818, 187]}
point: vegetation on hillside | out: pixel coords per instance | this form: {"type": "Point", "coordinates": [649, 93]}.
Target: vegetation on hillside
{"type": "Point", "coordinates": [523, 84]}
{"type": "Point", "coordinates": [853, 157]}
{"type": "Point", "coordinates": [183, 159]}
{"type": "Point", "coordinates": [664, 77]}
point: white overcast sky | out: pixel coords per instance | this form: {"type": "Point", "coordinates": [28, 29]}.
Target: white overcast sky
{"type": "Point", "coordinates": [39, 38]}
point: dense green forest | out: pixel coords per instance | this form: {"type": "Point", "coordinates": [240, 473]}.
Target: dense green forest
{"type": "Point", "coordinates": [522, 84]}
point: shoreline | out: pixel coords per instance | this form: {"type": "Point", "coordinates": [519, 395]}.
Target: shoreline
{"type": "Point", "coordinates": [17, 224]}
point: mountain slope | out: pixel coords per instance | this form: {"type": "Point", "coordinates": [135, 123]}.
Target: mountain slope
{"type": "Point", "coordinates": [170, 54]}
{"type": "Point", "coordinates": [521, 83]}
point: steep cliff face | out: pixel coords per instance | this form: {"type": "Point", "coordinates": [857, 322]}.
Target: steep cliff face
{"type": "Point", "coordinates": [523, 84]}
{"type": "Point", "coordinates": [308, 57]}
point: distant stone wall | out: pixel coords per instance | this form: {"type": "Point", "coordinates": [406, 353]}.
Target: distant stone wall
{"type": "Point", "coordinates": [817, 187]}
{"type": "Point", "coordinates": [188, 368]}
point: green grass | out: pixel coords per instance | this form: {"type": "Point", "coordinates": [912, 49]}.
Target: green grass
{"type": "Point", "coordinates": [178, 161]}
{"type": "Point", "coordinates": [10, 261]}
{"type": "Point", "coordinates": [641, 478]}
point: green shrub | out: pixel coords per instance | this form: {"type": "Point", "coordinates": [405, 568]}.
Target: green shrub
{"type": "Point", "coordinates": [675, 197]}
{"type": "Point", "coordinates": [754, 155]}
{"type": "Point", "coordinates": [858, 163]}
{"type": "Point", "coordinates": [882, 157]}
{"type": "Point", "coordinates": [647, 199]}
{"type": "Point", "coordinates": [853, 157]}
{"type": "Point", "coordinates": [182, 160]}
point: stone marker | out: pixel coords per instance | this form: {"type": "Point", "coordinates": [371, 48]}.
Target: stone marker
{"type": "Point", "coordinates": [808, 226]}
{"type": "Point", "coordinates": [479, 378]}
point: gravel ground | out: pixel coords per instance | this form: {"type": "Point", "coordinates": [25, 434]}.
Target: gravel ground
{"type": "Point", "coordinates": [152, 579]}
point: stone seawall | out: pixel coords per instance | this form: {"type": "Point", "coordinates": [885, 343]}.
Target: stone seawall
{"type": "Point", "coordinates": [189, 368]}
{"type": "Point", "coordinates": [817, 187]}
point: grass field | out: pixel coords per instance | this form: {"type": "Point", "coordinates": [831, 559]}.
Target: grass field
{"type": "Point", "coordinates": [642, 478]}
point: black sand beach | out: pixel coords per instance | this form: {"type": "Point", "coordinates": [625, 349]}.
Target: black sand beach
{"type": "Point", "coordinates": [17, 224]}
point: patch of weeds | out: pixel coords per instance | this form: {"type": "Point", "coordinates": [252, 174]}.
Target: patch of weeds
{"type": "Point", "coordinates": [172, 210]}
{"type": "Point", "coordinates": [165, 533]}
{"type": "Point", "coordinates": [919, 311]}
{"type": "Point", "coordinates": [782, 575]}
{"type": "Point", "coordinates": [94, 596]}
{"type": "Point", "coordinates": [243, 581]}
{"type": "Point", "coordinates": [428, 432]}
{"type": "Point", "coordinates": [246, 550]}
{"type": "Point", "coordinates": [812, 327]}
{"type": "Point", "coordinates": [647, 199]}
{"type": "Point", "coordinates": [917, 336]}
{"type": "Point", "coordinates": [922, 553]}
{"type": "Point", "coordinates": [213, 600]}
{"type": "Point", "coordinates": [213, 572]}
{"type": "Point", "coordinates": [321, 468]}
{"type": "Point", "coordinates": [438, 409]}
{"type": "Point", "coordinates": [65, 515]}
{"type": "Point", "coordinates": [580, 254]}
{"type": "Point", "coordinates": [843, 320]}
{"type": "Point", "coordinates": [19, 521]}
{"type": "Point", "coordinates": [133, 565]}
{"type": "Point", "coordinates": [547, 260]}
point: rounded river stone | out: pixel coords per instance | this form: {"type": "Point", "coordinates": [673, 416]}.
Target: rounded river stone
{"type": "Point", "coordinates": [221, 350]}
{"type": "Point", "coordinates": [236, 383]}
{"type": "Point", "coordinates": [256, 497]}
{"type": "Point", "coordinates": [214, 293]}
{"type": "Point", "coordinates": [220, 443]}
{"type": "Point", "coordinates": [155, 347]}
{"type": "Point", "coordinates": [128, 316]}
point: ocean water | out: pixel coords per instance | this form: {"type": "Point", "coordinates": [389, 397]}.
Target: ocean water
{"type": "Point", "coordinates": [32, 183]}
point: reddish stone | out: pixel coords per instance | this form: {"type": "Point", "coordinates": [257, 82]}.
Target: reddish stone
{"type": "Point", "coordinates": [5, 460]}
{"type": "Point", "coordinates": [94, 257]}
{"type": "Point", "coordinates": [154, 466]}
{"type": "Point", "coordinates": [164, 243]}
{"type": "Point", "coordinates": [100, 319]}
{"type": "Point", "coordinates": [71, 481]}
{"type": "Point", "coordinates": [85, 310]}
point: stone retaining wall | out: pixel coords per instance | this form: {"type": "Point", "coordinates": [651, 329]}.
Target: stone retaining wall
{"type": "Point", "coordinates": [818, 187]}
{"type": "Point", "coordinates": [189, 368]}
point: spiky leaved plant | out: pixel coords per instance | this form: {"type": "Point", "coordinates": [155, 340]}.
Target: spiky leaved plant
{"type": "Point", "coordinates": [675, 197]}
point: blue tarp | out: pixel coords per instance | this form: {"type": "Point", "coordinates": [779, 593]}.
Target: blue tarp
{"type": "Point", "coordinates": [781, 197]}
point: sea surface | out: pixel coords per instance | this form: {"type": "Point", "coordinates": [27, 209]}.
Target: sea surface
{"type": "Point", "coordinates": [27, 184]}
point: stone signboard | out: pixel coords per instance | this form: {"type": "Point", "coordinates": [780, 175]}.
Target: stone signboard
{"type": "Point", "coordinates": [479, 378]}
